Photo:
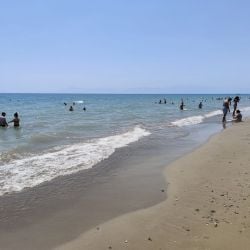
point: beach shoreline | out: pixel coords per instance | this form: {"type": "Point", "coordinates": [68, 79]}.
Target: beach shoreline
{"type": "Point", "coordinates": [207, 205]}
{"type": "Point", "coordinates": [60, 210]}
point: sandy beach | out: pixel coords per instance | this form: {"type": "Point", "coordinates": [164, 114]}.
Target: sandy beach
{"type": "Point", "coordinates": [207, 205]}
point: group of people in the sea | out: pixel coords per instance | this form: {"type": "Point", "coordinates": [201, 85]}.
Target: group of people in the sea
{"type": "Point", "coordinates": [164, 101]}
{"type": "Point", "coordinates": [182, 105]}
{"type": "Point", "coordinates": [15, 120]}
{"type": "Point", "coordinates": [73, 104]}
{"type": "Point", "coordinates": [237, 116]}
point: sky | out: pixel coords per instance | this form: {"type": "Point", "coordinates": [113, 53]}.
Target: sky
{"type": "Point", "coordinates": [125, 46]}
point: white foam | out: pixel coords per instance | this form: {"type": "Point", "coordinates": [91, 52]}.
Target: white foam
{"type": "Point", "coordinates": [188, 121]}
{"type": "Point", "coordinates": [19, 174]}
{"type": "Point", "coordinates": [213, 113]}
{"type": "Point", "coordinates": [245, 109]}
{"type": "Point", "coordinates": [192, 120]}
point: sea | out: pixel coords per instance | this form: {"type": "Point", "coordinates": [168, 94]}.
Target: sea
{"type": "Point", "coordinates": [52, 141]}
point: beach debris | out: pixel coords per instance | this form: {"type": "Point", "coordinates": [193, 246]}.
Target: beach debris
{"type": "Point", "coordinates": [126, 241]}
{"type": "Point", "coordinates": [98, 228]}
{"type": "Point", "coordinates": [197, 209]}
{"type": "Point", "coordinates": [163, 190]}
{"type": "Point", "coordinates": [149, 239]}
{"type": "Point", "coordinates": [215, 224]}
{"type": "Point", "coordinates": [212, 211]}
{"type": "Point", "coordinates": [110, 247]}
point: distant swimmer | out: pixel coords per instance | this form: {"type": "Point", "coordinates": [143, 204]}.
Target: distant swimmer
{"type": "Point", "coordinates": [74, 103]}
{"type": "Point", "coordinates": [65, 103]}
{"type": "Point", "coordinates": [165, 101]}
{"type": "Point", "coordinates": [16, 120]}
{"type": "Point", "coordinates": [71, 108]}
{"type": "Point", "coordinates": [84, 109]}
{"type": "Point", "coordinates": [182, 105]}
{"type": "Point", "coordinates": [3, 122]}
{"type": "Point", "coordinates": [200, 105]}
{"type": "Point", "coordinates": [160, 102]}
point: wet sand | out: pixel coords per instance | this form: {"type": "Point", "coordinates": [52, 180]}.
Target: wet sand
{"type": "Point", "coordinates": [208, 204]}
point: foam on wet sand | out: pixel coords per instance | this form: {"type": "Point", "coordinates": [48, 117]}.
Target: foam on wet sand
{"type": "Point", "coordinates": [208, 204]}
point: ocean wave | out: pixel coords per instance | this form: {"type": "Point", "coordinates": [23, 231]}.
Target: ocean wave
{"type": "Point", "coordinates": [188, 121]}
{"type": "Point", "coordinates": [213, 113]}
{"type": "Point", "coordinates": [31, 171]}
{"type": "Point", "coordinates": [245, 109]}
{"type": "Point", "coordinates": [192, 120]}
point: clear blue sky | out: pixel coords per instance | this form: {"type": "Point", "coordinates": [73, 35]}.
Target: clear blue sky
{"type": "Point", "coordinates": [125, 46]}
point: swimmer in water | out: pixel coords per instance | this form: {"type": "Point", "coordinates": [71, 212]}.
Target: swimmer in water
{"type": "Point", "coordinates": [182, 105]}
{"type": "Point", "coordinates": [16, 120]}
{"type": "Point", "coordinates": [3, 122]}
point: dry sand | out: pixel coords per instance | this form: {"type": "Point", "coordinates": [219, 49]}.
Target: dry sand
{"type": "Point", "coordinates": [208, 204]}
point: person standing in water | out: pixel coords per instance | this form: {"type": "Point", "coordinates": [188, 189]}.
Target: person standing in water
{"type": "Point", "coordinates": [236, 100]}
{"type": "Point", "coordinates": [200, 105]}
{"type": "Point", "coordinates": [3, 122]}
{"type": "Point", "coordinates": [226, 108]}
{"type": "Point", "coordinates": [182, 105]}
{"type": "Point", "coordinates": [16, 120]}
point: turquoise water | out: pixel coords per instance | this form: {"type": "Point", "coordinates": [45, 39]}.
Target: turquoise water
{"type": "Point", "coordinates": [52, 141]}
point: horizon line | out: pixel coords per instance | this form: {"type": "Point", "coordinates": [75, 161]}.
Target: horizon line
{"type": "Point", "coordinates": [110, 93]}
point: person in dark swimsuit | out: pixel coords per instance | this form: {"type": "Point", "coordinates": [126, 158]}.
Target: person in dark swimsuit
{"type": "Point", "coordinates": [238, 116]}
{"type": "Point", "coordinates": [182, 105]}
{"type": "Point", "coordinates": [226, 108]}
{"type": "Point", "coordinates": [236, 100]}
{"type": "Point", "coordinates": [16, 120]}
{"type": "Point", "coordinates": [3, 122]}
